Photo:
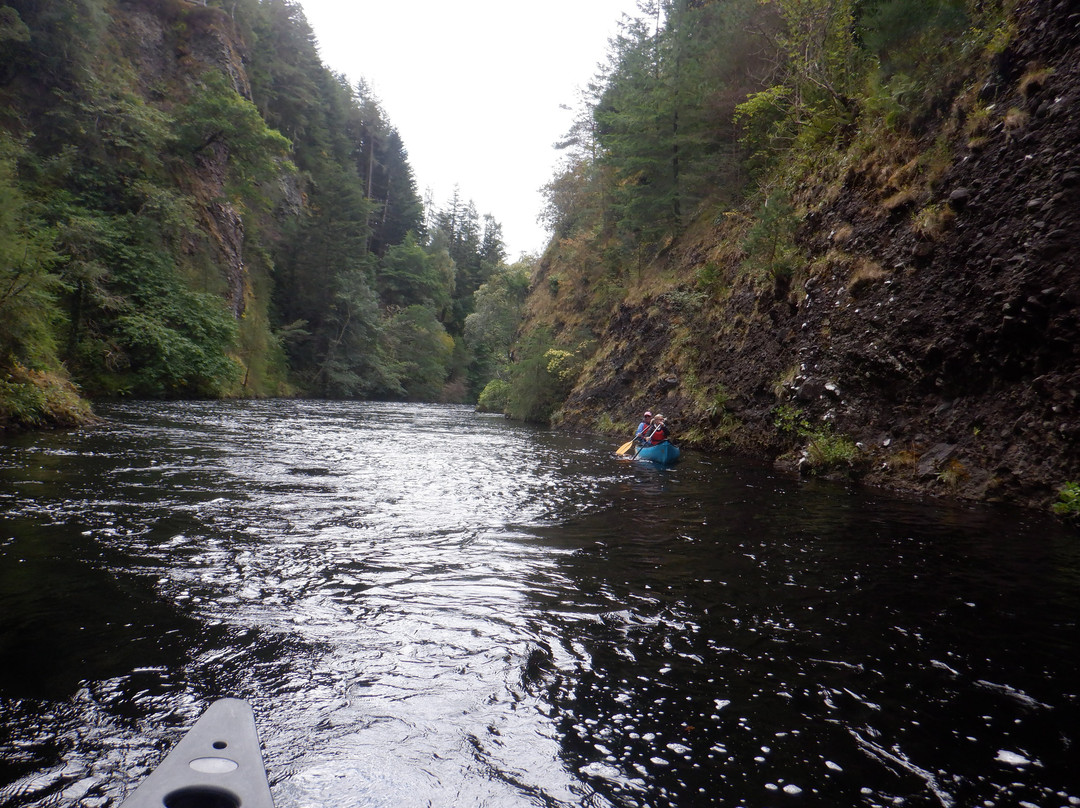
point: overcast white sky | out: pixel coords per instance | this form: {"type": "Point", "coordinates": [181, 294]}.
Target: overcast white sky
{"type": "Point", "coordinates": [474, 88]}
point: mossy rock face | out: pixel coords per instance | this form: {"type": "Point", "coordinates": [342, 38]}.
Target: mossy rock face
{"type": "Point", "coordinates": [32, 399]}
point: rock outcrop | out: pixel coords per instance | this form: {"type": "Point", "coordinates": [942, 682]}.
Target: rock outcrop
{"type": "Point", "coordinates": [171, 44]}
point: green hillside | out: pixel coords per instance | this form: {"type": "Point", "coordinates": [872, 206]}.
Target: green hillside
{"type": "Point", "coordinates": [192, 204]}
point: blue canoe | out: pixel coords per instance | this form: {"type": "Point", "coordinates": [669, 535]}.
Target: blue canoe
{"type": "Point", "coordinates": [664, 454]}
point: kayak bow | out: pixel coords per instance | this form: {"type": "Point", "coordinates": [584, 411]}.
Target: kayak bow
{"type": "Point", "coordinates": [218, 764]}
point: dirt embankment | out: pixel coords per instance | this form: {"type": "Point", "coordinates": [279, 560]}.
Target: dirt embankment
{"type": "Point", "coordinates": [951, 356]}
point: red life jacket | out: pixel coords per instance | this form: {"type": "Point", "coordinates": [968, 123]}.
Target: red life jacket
{"type": "Point", "coordinates": [659, 435]}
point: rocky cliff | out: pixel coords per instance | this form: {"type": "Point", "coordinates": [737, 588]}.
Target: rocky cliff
{"type": "Point", "coordinates": [936, 325]}
{"type": "Point", "coordinates": [170, 43]}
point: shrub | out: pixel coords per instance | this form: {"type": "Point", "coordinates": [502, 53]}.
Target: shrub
{"type": "Point", "coordinates": [494, 397]}
{"type": "Point", "coordinates": [932, 221]}
{"type": "Point", "coordinates": [1068, 504]}
{"type": "Point", "coordinates": [605, 425]}
{"type": "Point", "coordinates": [826, 452]}
{"type": "Point", "coordinates": [790, 421]}
{"type": "Point", "coordinates": [770, 243]}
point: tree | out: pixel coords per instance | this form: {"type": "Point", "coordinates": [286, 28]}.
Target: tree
{"type": "Point", "coordinates": [388, 178]}
{"type": "Point", "coordinates": [28, 310]}
{"type": "Point", "coordinates": [421, 351]}
{"type": "Point", "coordinates": [353, 364]}
{"type": "Point", "coordinates": [490, 329]}
{"type": "Point", "coordinates": [323, 277]}
{"type": "Point", "coordinates": [409, 274]}
{"type": "Point", "coordinates": [535, 389]}
{"type": "Point", "coordinates": [632, 125]}
{"type": "Point", "coordinates": [143, 202]}
{"type": "Point", "coordinates": [476, 249]}
{"type": "Point", "coordinates": [218, 117]}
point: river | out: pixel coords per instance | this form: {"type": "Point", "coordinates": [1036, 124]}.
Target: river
{"type": "Point", "coordinates": [430, 607]}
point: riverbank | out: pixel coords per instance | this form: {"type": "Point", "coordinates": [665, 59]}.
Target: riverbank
{"type": "Point", "coordinates": [36, 399]}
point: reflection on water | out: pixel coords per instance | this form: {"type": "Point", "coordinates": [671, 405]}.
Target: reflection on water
{"type": "Point", "coordinates": [427, 606]}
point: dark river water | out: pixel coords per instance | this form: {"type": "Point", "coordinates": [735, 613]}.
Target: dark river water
{"type": "Point", "coordinates": [430, 607]}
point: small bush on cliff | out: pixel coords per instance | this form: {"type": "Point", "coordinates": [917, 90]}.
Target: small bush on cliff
{"type": "Point", "coordinates": [1068, 504]}
{"type": "Point", "coordinates": [790, 421]}
{"type": "Point", "coordinates": [827, 452]}
{"type": "Point", "coordinates": [953, 474]}
{"type": "Point", "coordinates": [770, 244]}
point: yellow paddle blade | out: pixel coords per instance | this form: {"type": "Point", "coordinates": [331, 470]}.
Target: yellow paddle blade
{"type": "Point", "coordinates": [624, 448]}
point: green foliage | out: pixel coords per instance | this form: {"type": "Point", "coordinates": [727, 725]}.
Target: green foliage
{"type": "Point", "coordinates": [823, 66]}
{"type": "Point", "coordinates": [563, 365]}
{"type": "Point", "coordinates": [159, 242]}
{"type": "Point", "coordinates": [1068, 502]}
{"type": "Point", "coordinates": [915, 44]}
{"type": "Point", "coordinates": [422, 351]}
{"type": "Point", "coordinates": [12, 28]}
{"type": "Point", "coordinates": [536, 390]}
{"type": "Point", "coordinates": [767, 122]}
{"type": "Point", "coordinates": [59, 51]}
{"type": "Point", "coordinates": [135, 325]}
{"type": "Point", "coordinates": [218, 117]}
{"type": "Point", "coordinates": [177, 346]}
{"type": "Point", "coordinates": [391, 185]}
{"type": "Point", "coordinates": [30, 399]}
{"type": "Point", "coordinates": [350, 358]}
{"type": "Point", "coordinates": [662, 121]}
{"type": "Point", "coordinates": [826, 452]}
{"type": "Point", "coordinates": [323, 280]}
{"type": "Point", "coordinates": [568, 199]}
{"type": "Point", "coordinates": [475, 246]}
{"type": "Point", "coordinates": [408, 273]}
{"type": "Point", "coordinates": [903, 34]}
{"type": "Point", "coordinates": [686, 301]}
{"type": "Point", "coordinates": [494, 397]}
{"type": "Point", "coordinates": [490, 329]}
{"type": "Point", "coordinates": [770, 244]}
{"type": "Point", "coordinates": [717, 405]}
{"type": "Point", "coordinates": [790, 422]}
{"type": "Point", "coordinates": [28, 286]}
{"type": "Point", "coordinates": [952, 474]}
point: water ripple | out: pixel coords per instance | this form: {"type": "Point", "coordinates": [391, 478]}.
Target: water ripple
{"type": "Point", "coordinates": [431, 607]}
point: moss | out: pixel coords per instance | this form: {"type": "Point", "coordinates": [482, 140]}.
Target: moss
{"type": "Point", "coordinates": [36, 399]}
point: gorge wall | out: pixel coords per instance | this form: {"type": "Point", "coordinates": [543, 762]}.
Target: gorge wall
{"type": "Point", "coordinates": [947, 347]}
